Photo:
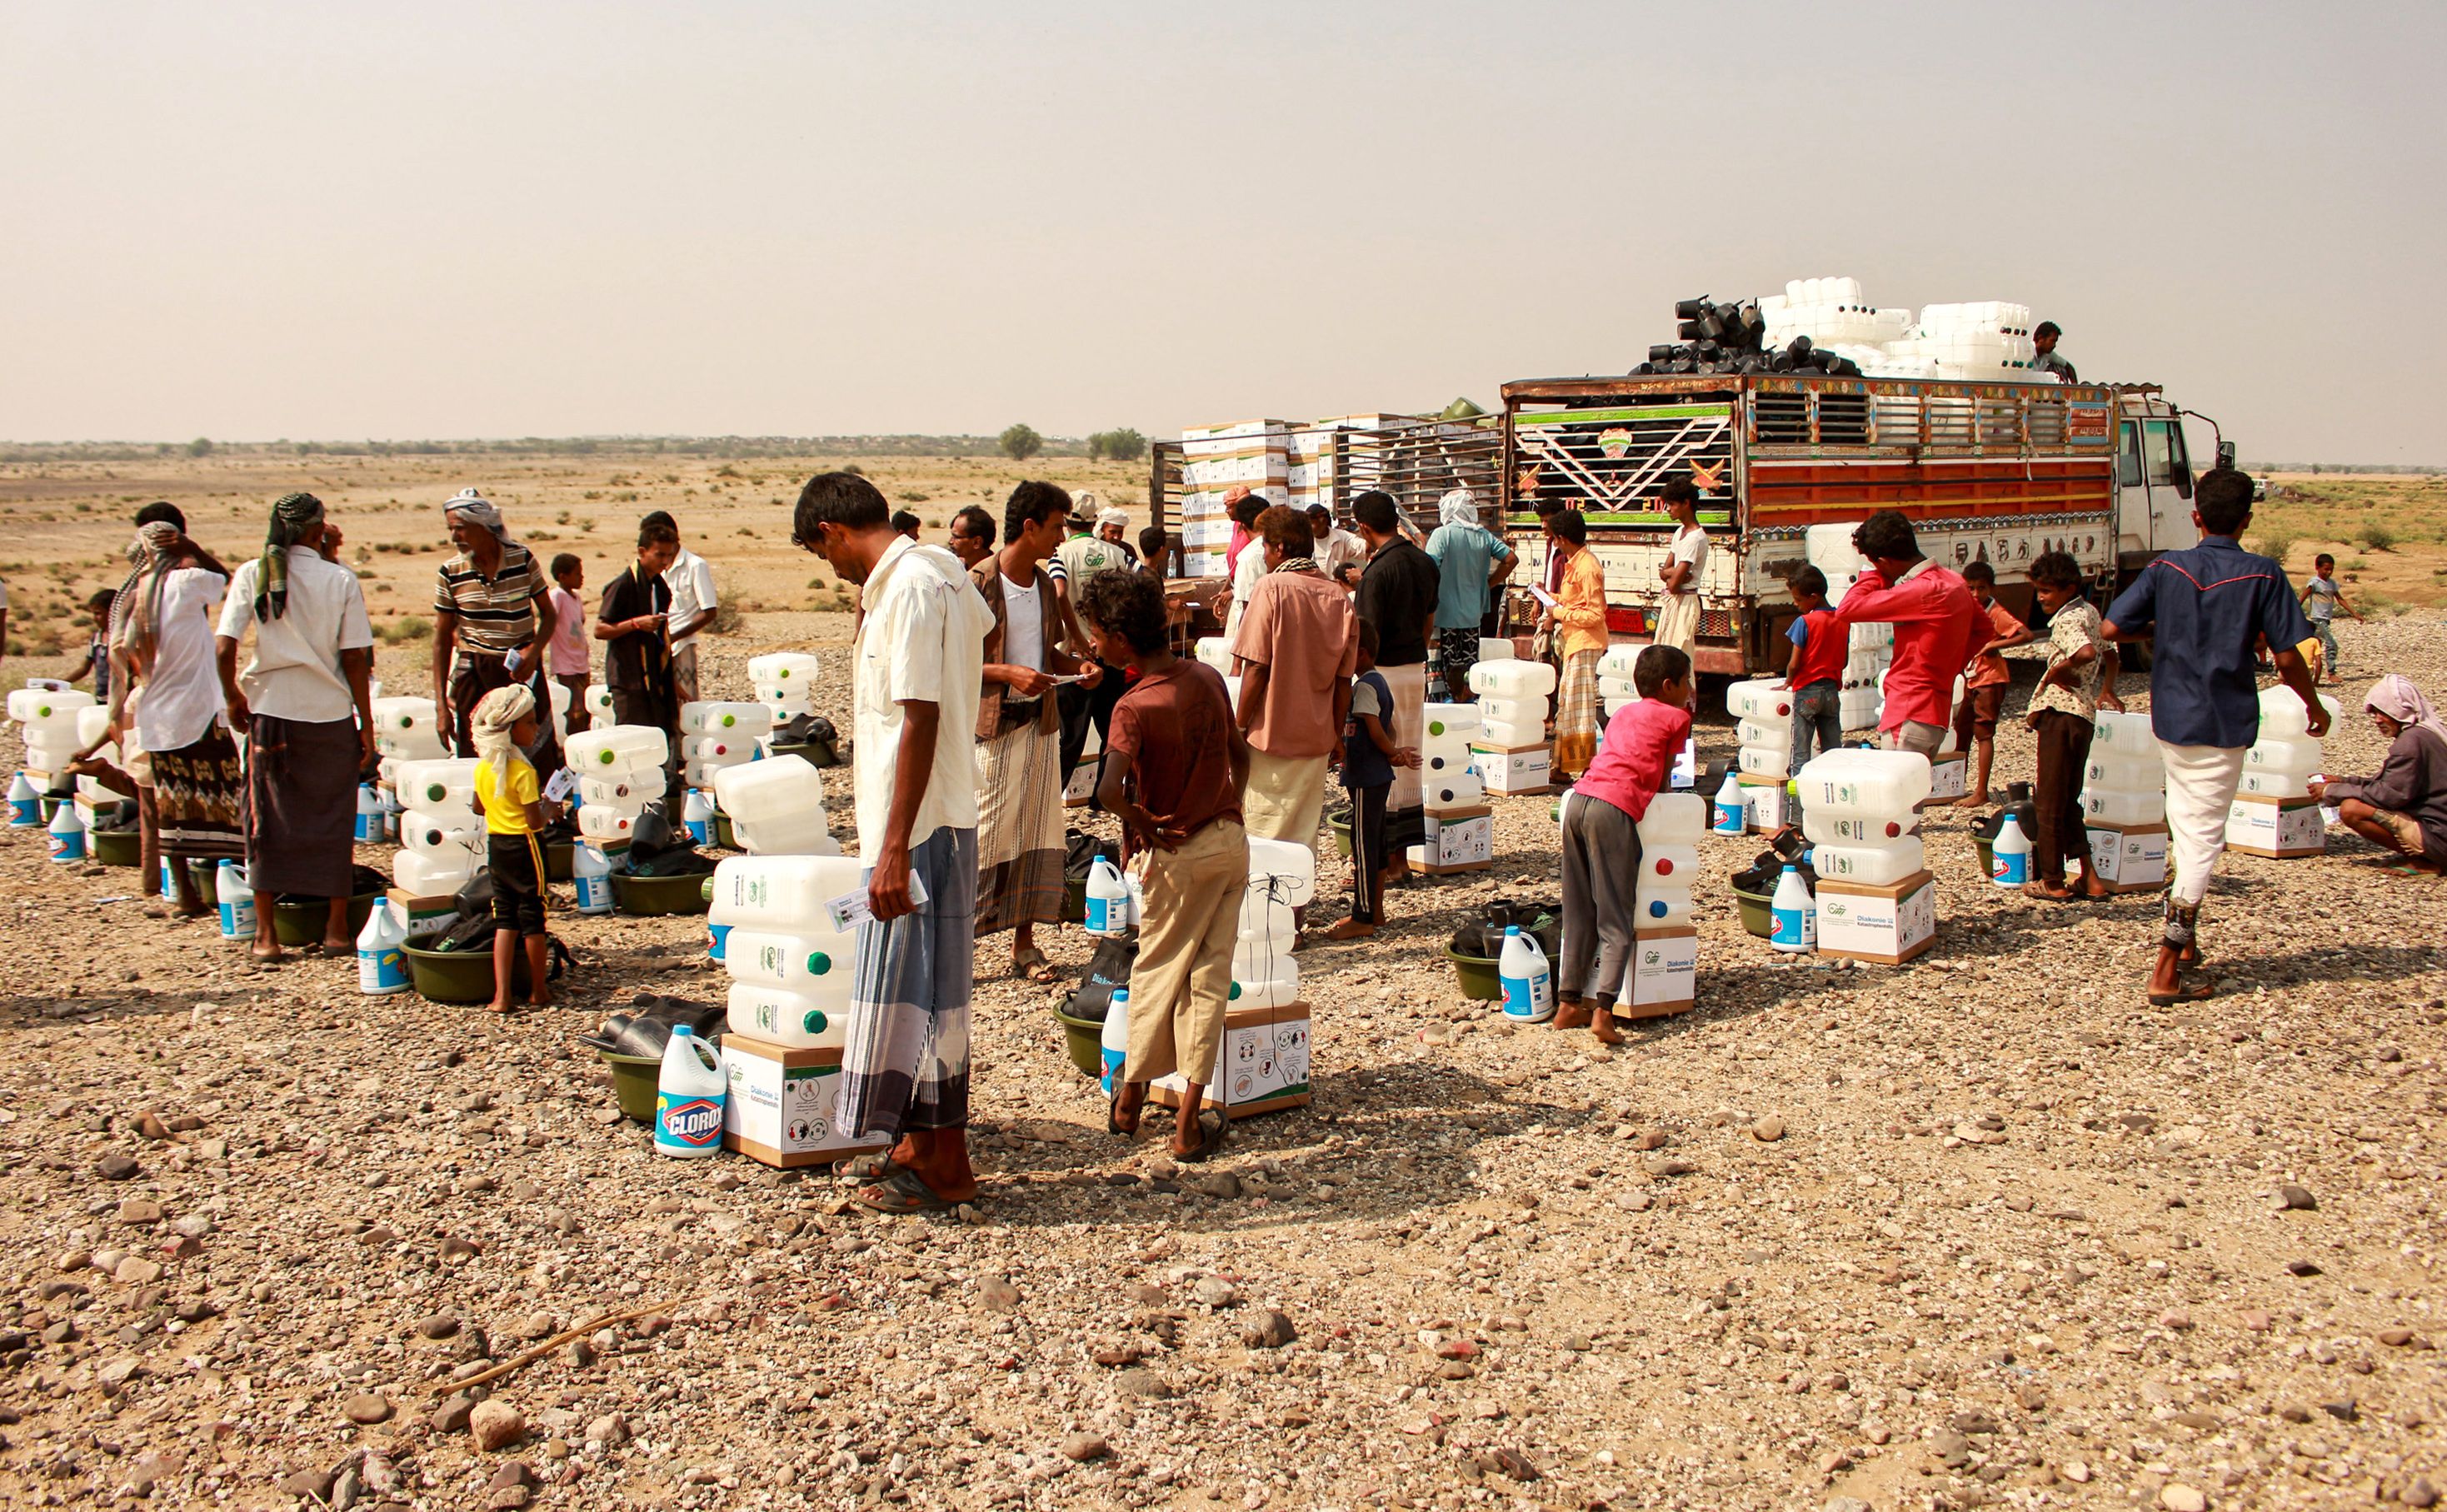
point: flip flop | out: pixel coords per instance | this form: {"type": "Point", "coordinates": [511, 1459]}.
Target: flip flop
{"type": "Point", "coordinates": [2193, 990]}
{"type": "Point", "coordinates": [866, 1167]}
{"type": "Point", "coordinates": [1208, 1143]}
{"type": "Point", "coordinates": [1032, 964]}
{"type": "Point", "coordinates": [902, 1192]}
{"type": "Point", "coordinates": [2039, 891]}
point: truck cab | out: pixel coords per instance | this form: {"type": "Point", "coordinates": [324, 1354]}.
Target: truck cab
{"type": "Point", "coordinates": [2154, 480]}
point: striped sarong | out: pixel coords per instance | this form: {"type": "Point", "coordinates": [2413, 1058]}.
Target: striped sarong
{"type": "Point", "coordinates": [198, 793]}
{"type": "Point", "coordinates": [1019, 828]}
{"type": "Point", "coordinates": [905, 1051]}
{"type": "Point", "coordinates": [1406, 818]}
{"type": "Point", "coordinates": [1576, 714]}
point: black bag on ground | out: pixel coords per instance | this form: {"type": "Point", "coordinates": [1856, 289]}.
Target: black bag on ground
{"type": "Point", "coordinates": [1482, 938]}
{"type": "Point", "coordinates": [815, 732]}
{"type": "Point", "coordinates": [1110, 968]}
{"type": "Point", "coordinates": [646, 1028]}
{"type": "Point", "coordinates": [659, 848]}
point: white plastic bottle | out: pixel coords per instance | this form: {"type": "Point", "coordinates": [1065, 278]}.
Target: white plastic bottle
{"type": "Point", "coordinates": [592, 871]}
{"type": "Point", "coordinates": [1108, 899]}
{"type": "Point", "coordinates": [66, 833]}
{"type": "Point", "coordinates": [370, 814]}
{"type": "Point", "coordinates": [1730, 808]}
{"type": "Point", "coordinates": [1528, 986]}
{"type": "Point", "coordinates": [697, 813]}
{"type": "Point", "coordinates": [2011, 853]}
{"type": "Point", "coordinates": [382, 964]}
{"type": "Point", "coordinates": [688, 1097]}
{"type": "Point", "coordinates": [1116, 1041]}
{"type": "Point", "coordinates": [236, 902]}
{"type": "Point", "coordinates": [1795, 914]}
{"type": "Point", "coordinates": [24, 804]}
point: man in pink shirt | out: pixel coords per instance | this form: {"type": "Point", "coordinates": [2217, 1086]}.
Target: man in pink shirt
{"type": "Point", "coordinates": [1938, 626]}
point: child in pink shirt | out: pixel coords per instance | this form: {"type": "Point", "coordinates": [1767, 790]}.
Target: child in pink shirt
{"type": "Point", "coordinates": [568, 650]}
{"type": "Point", "coordinates": [1602, 817]}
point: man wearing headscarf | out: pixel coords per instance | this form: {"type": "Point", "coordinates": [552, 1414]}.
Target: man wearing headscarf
{"type": "Point", "coordinates": [162, 637]}
{"type": "Point", "coordinates": [2404, 807]}
{"type": "Point", "coordinates": [492, 607]}
{"type": "Point", "coordinates": [1079, 557]}
{"type": "Point", "coordinates": [305, 704]}
{"type": "Point", "coordinates": [1471, 560]}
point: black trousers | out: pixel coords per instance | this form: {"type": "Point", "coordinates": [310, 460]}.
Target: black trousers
{"type": "Point", "coordinates": [2064, 833]}
{"type": "Point", "coordinates": [517, 866]}
{"type": "Point", "coordinates": [1367, 848]}
{"type": "Point", "coordinates": [1083, 707]}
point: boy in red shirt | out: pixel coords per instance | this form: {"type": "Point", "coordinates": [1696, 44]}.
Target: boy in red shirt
{"type": "Point", "coordinates": [1986, 680]}
{"type": "Point", "coordinates": [1602, 817]}
{"type": "Point", "coordinates": [1814, 673]}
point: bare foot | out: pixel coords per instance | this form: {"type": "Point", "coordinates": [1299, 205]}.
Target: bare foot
{"type": "Point", "coordinates": [340, 947]}
{"type": "Point", "coordinates": [1571, 1013]}
{"type": "Point", "coordinates": [1602, 1027]}
{"type": "Point", "coordinates": [1351, 929]}
{"type": "Point", "coordinates": [541, 997]}
{"type": "Point", "coordinates": [1972, 800]}
{"type": "Point", "coordinates": [502, 1006]}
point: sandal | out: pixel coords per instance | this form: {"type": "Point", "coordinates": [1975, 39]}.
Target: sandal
{"type": "Point", "coordinates": [2188, 990]}
{"type": "Point", "coordinates": [902, 1192]}
{"type": "Point", "coordinates": [2039, 891]}
{"type": "Point", "coordinates": [1032, 964]}
{"type": "Point", "coordinates": [1208, 1143]}
{"type": "Point", "coordinates": [866, 1167]}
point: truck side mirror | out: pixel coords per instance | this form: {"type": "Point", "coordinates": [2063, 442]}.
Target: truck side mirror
{"type": "Point", "coordinates": [2225, 454]}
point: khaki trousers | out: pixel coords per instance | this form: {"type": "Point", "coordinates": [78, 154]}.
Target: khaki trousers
{"type": "Point", "coordinates": [1181, 985]}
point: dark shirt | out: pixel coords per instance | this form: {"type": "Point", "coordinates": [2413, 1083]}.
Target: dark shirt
{"type": "Point", "coordinates": [2210, 604]}
{"type": "Point", "coordinates": [1397, 594]}
{"type": "Point", "coordinates": [639, 662]}
{"type": "Point", "coordinates": [1363, 765]}
{"type": "Point", "coordinates": [1176, 727]}
{"type": "Point", "coordinates": [2413, 781]}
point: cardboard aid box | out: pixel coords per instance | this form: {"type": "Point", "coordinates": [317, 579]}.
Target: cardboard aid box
{"type": "Point", "coordinates": [1949, 777]}
{"type": "Point", "coordinates": [1764, 802]}
{"type": "Point", "coordinates": [2275, 827]}
{"type": "Point", "coordinates": [426, 916]}
{"type": "Point", "coordinates": [1888, 924]}
{"type": "Point", "coordinates": [1458, 839]}
{"type": "Point", "coordinates": [1664, 971]}
{"type": "Point", "coordinates": [1511, 772]}
{"type": "Point", "coordinates": [2128, 858]}
{"type": "Point", "coordinates": [780, 1106]}
{"type": "Point", "coordinates": [1262, 1065]}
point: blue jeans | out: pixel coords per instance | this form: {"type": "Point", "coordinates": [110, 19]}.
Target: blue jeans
{"type": "Point", "coordinates": [1818, 709]}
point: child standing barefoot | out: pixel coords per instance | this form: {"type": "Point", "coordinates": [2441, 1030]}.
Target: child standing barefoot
{"type": "Point", "coordinates": [1369, 757]}
{"type": "Point", "coordinates": [515, 810]}
{"type": "Point", "coordinates": [1601, 818]}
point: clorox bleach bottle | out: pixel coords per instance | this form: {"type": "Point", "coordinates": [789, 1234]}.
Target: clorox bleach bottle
{"type": "Point", "coordinates": [1108, 898]}
{"type": "Point", "coordinates": [67, 835]}
{"type": "Point", "coordinates": [591, 871]}
{"type": "Point", "coordinates": [382, 962]}
{"type": "Point", "coordinates": [1731, 808]}
{"type": "Point", "coordinates": [1117, 1038]}
{"type": "Point", "coordinates": [697, 814]}
{"type": "Point", "coordinates": [688, 1096]}
{"type": "Point", "coordinates": [2012, 850]}
{"type": "Point", "coordinates": [1529, 987]}
{"type": "Point", "coordinates": [24, 804]}
{"type": "Point", "coordinates": [370, 814]}
{"type": "Point", "coordinates": [236, 902]}
{"type": "Point", "coordinates": [1795, 914]}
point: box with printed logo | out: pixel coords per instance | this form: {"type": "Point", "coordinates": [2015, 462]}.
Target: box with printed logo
{"type": "Point", "coordinates": [780, 1107]}
{"type": "Point", "coordinates": [1764, 802]}
{"type": "Point", "coordinates": [1949, 777]}
{"type": "Point", "coordinates": [1889, 923]}
{"type": "Point", "coordinates": [1510, 772]}
{"type": "Point", "coordinates": [1263, 1065]}
{"type": "Point", "coordinates": [1458, 839]}
{"type": "Point", "coordinates": [2275, 827]}
{"type": "Point", "coordinates": [2128, 858]}
{"type": "Point", "coordinates": [1664, 971]}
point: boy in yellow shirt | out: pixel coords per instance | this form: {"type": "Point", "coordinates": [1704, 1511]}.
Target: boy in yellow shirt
{"type": "Point", "coordinates": [515, 810]}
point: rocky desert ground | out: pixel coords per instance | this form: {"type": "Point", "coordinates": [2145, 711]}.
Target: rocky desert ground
{"type": "Point", "coordinates": [1984, 1229]}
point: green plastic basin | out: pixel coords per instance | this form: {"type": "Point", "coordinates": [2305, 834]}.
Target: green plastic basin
{"type": "Point", "coordinates": [460, 976]}
{"type": "Point", "coordinates": [301, 924]}
{"type": "Point", "coordinates": [1477, 975]}
{"type": "Point", "coordinates": [645, 897]}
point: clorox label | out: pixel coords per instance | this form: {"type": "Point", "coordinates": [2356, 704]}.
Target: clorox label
{"type": "Point", "coordinates": [695, 1122]}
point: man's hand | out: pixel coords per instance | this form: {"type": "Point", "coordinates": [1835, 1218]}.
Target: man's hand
{"type": "Point", "coordinates": [1340, 755]}
{"type": "Point", "coordinates": [2316, 718]}
{"type": "Point", "coordinates": [887, 891]}
{"type": "Point", "coordinates": [239, 715]}
{"type": "Point", "coordinates": [1091, 672]}
{"type": "Point", "coordinates": [1406, 756]}
{"type": "Point", "coordinates": [367, 759]}
{"type": "Point", "coordinates": [1027, 682]}
{"type": "Point", "coordinates": [2317, 788]}
{"type": "Point", "coordinates": [2111, 703]}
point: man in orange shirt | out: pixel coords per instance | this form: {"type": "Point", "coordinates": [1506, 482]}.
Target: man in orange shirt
{"type": "Point", "coordinates": [1985, 681]}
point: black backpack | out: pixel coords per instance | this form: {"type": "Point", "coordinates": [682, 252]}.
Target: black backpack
{"type": "Point", "coordinates": [1108, 969]}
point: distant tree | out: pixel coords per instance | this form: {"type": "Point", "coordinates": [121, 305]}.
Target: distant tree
{"type": "Point", "coordinates": [201, 446]}
{"type": "Point", "coordinates": [1019, 442]}
{"type": "Point", "coordinates": [1116, 446]}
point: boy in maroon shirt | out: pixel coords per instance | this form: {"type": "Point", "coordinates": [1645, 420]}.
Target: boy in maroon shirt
{"type": "Point", "coordinates": [1814, 674]}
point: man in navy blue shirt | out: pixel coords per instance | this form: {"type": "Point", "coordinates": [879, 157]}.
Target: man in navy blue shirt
{"type": "Point", "coordinates": [2207, 610]}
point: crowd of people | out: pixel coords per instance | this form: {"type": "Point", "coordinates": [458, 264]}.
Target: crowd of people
{"type": "Point", "coordinates": [980, 667]}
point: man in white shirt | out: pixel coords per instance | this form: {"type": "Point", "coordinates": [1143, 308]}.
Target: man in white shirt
{"type": "Point", "coordinates": [1337, 549]}
{"type": "Point", "coordinates": [1685, 565]}
{"type": "Point", "coordinates": [691, 579]}
{"type": "Point", "coordinates": [915, 677]}
{"type": "Point", "coordinates": [305, 704]}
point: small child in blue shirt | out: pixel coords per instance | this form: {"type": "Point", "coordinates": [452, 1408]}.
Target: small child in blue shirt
{"type": "Point", "coordinates": [1369, 757]}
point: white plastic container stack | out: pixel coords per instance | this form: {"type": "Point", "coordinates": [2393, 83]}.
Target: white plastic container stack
{"type": "Point", "coordinates": [1446, 732]}
{"type": "Point", "coordinates": [445, 783]}
{"type": "Point", "coordinates": [48, 722]}
{"type": "Point", "coordinates": [1216, 652]}
{"type": "Point", "coordinates": [776, 807]}
{"type": "Point", "coordinates": [404, 730]}
{"type": "Point", "coordinates": [2125, 781]}
{"type": "Point", "coordinates": [619, 769]}
{"type": "Point", "coordinates": [92, 723]}
{"type": "Point", "coordinates": [1494, 649]}
{"type": "Point", "coordinates": [2285, 757]}
{"type": "Point", "coordinates": [1282, 877]}
{"type": "Point", "coordinates": [784, 682]}
{"type": "Point", "coordinates": [560, 696]}
{"type": "Point", "coordinates": [1514, 680]}
{"type": "Point", "coordinates": [1857, 809]}
{"type": "Point", "coordinates": [1669, 859]}
{"type": "Point", "coordinates": [1871, 646]}
{"type": "Point", "coordinates": [789, 969]}
{"type": "Point", "coordinates": [1765, 712]}
{"type": "Point", "coordinates": [1615, 687]}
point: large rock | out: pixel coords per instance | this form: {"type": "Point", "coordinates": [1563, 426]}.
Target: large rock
{"type": "Point", "coordinates": [495, 1425]}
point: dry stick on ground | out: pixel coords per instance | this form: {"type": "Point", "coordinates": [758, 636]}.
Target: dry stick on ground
{"type": "Point", "coordinates": [516, 1362]}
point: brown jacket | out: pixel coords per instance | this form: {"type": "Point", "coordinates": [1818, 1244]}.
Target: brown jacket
{"type": "Point", "coordinates": [991, 694]}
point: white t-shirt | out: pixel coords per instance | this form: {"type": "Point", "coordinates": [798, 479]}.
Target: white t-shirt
{"type": "Point", "coordinates": [1692, 546]}
{"type": "Point", "coordinates": [924, 640]}
{"type": "Point", "coordinates": [691, 579]}
{"type": "Point", "coordinates": [1023, 625]}
{"type": "Point", "coordinates": [182, 691]}
{"type": "Point", "coordinates": [1246, 575]}
{"type": "Point", "coordinates": [295, 673]}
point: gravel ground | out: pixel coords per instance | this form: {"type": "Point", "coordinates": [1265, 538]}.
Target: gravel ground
{"type": "Point", "coordinates": [1981, 1229]}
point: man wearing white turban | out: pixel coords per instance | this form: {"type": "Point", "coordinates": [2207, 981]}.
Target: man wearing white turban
{"type": "Point", "coordinates": [492, 608]}
{"type": "Point", "coordinates": [1470, 561]}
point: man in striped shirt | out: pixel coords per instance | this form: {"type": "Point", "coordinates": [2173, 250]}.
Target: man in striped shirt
{"type": "Point", "coordinates": [492, 608]}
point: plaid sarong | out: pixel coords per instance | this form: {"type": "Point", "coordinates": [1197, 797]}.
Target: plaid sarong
{"type": "Point", "coordinates": [1576, 714]}
{"type": "Point", "coordinates": [1019, 828]}
{"type": "Point", "coordinates": [1456, 653]}
{"type": "Point", "coordinates": [198, 792]}
{"type": "Point", "coordinates": [301, 806]}
{"type": "Point", "coordinates": [905, 1052]}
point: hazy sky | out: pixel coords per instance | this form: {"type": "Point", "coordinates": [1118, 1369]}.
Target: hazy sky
{"type": "Point", "coordinates": [358, 219]}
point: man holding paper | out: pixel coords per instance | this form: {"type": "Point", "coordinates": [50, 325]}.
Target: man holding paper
{"type": "Point", "coordinates": [916, 670]}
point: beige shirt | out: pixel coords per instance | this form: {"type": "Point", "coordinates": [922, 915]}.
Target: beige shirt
{"type": "Point", "coordinates": [922, 641]}
{"type": "Point", "coordinates": [296, 673]}
{"type": "Point", "coordinates": [2075, 626]}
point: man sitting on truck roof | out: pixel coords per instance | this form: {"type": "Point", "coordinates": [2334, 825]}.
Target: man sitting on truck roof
{"type": "Point", "coordinates": [2043, 343]}
{"type": "Point", "coordinates": [1938, 625]}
